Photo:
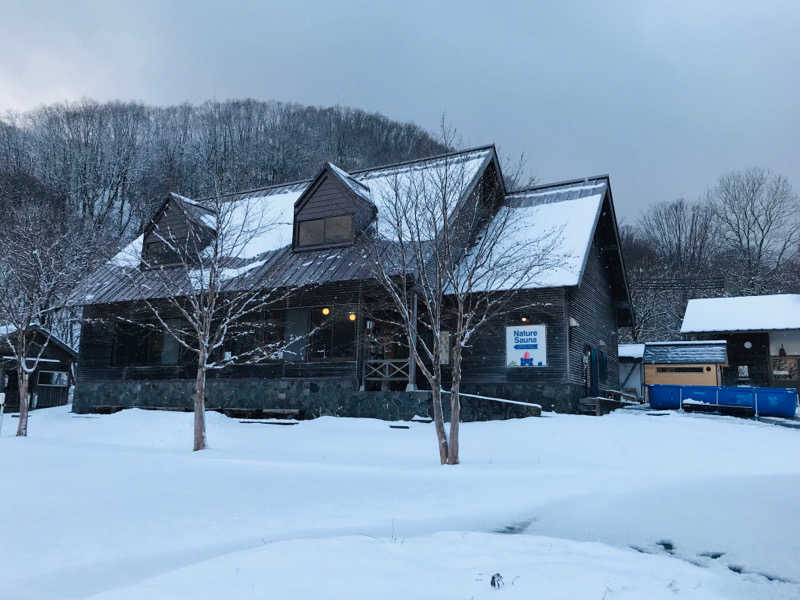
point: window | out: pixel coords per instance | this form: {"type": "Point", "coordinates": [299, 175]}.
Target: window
{"type": "Point", "coordinates": [53, 378]}
{"type": "Point", "coordinates": [331, 230]}
{"type": "Point", "coordinates": [142, 345]}
{"type": "Point", "coordinates": [321, 333]}
{"type": "Point", "coordinates": [338, 229]}
{"type": "Point", "coordinates": [311, 233]}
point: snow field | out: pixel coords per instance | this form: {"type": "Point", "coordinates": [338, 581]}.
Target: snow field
{"type": "Point", "coordinates": [118, 507]}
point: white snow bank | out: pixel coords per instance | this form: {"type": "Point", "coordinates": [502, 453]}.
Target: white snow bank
{"type": "Point", "coordinates": [120, 501]}
{"type": "Point", "coordinates": [444, 565]}
{"type": "Point", "coordinates": [742, 313]}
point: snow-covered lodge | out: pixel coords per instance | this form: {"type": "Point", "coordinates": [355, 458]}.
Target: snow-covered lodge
{"type": "Point", "coordinates": [346, 365]}
{"type": "Point", "coordinates": [762, 335]}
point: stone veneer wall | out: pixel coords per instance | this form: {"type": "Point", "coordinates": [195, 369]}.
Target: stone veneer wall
{"type": "Point", "coordinates": [319, 397]}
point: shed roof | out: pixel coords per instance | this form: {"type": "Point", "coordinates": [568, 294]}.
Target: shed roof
{"type": "Point", "coordinates": [742, 313]}
{"type": "Point", "coordinates": [635, 351]}
{"type": "Point", "coordinates": [680, 352]}
{"type": "Point", "coordinates": [7, 330]}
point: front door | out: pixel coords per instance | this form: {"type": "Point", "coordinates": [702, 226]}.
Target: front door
{"type": "Point", "coordinates": [594, 373]}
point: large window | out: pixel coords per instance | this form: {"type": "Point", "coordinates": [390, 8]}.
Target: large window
{"type": "Point", "coordinates": [331, 230]}
{"type": "Point", "coordinates": [53, 378]}
{"type": "Point", "coordinates": [321, 333]}
{"type": "Point", "coordinates": [142, 345]}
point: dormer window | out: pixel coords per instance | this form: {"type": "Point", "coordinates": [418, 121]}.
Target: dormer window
{"type": "Point", "coordinates": [327, 231]}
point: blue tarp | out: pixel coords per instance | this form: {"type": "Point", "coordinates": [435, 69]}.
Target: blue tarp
{"type": "Point", "coordinates": [768, 402]}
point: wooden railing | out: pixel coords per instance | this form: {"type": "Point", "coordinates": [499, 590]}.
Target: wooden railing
{"type": "Point", "coordinates": [387, 369]}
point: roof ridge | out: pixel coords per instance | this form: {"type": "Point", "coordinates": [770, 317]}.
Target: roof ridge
{"type": "Point", "coordinates": [351, 173]}
{"type": "Point", "coordinates": [424, 158]}
{"type": "Point", "coordinates": [557, 184]}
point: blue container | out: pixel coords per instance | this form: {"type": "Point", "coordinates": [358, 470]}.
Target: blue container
{"type": "Point", "coordinates": [664, 397]}
{"type": "Point", "coordinates": [767, 402]}
{"type": "Point", "coordinates": [737, 396]}
{"type": "Point", "coordinates": [777, 402]}
{"type": "Point", "coordinates": [700, 393]}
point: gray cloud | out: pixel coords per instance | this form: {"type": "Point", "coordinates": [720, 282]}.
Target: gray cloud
{"type": "Point", "coordinates": [664, 96]}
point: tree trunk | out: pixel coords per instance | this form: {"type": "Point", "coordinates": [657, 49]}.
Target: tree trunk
{"type": "Point", "coordinates": [438, 422]}
{"type": "Point", "coordinates": [22, 426]}
{"type": "Point", "coordinates": [455, 408]}
{"type": "Point", "coordinates": [200, 407]}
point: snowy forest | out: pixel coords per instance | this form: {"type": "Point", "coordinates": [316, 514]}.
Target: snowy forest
{"type": "Point", "coordinates": [78, 178]}
{"type": "Point", "coordinates": [739, 238]}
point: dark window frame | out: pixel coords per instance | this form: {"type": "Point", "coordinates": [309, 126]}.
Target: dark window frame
{"type": "Point", "coordinates": [327, 238]}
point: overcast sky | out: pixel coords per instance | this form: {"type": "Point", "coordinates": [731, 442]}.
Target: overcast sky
{"type": "Point", "coordinates": [663, 96]}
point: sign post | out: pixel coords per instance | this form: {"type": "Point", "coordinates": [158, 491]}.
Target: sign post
{"type": "Point", "coordinates": [526, 346]}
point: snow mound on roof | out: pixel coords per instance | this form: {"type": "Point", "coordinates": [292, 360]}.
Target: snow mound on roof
{"type": "Point", "coordinates": [271, 215]}
{"type": "Point", "coordinates": [630, 350]}
{"type": "Point", "coordinates": [131, 255]}
{"type": "Point", "coordinates": [742, 313]}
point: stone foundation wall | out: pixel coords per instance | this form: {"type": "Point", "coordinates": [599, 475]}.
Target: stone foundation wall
{"type": "Point", "coordinates": [319, 397]}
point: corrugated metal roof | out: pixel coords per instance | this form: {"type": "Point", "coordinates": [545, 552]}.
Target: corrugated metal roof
{"type": "Point", "coordinates": [665, 353]}
{"type": "Point", "coordinates": [270, 261]}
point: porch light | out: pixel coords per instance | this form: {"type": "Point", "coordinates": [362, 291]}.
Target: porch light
{"type": "Point", "coordinates": [326, 311]}
{"type": "Point", "coordinates": [352, 316]}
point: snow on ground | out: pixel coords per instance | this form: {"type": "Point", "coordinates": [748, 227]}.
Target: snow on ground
{"type": "Point", "coordinates": [117, 507]}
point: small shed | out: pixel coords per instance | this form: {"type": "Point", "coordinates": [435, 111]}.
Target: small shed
{"type": "Point", "coordinates": [53, 377]}
{"type": "Point", "coordinates": [762, 335]}
{"type": "Point", "coordinates": [631, 376]}
{"type": "Point", "coordinates": [685, 362]}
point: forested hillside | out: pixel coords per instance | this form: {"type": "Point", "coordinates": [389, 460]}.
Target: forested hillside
{"type": "Point", "coordinates": [107, 164]}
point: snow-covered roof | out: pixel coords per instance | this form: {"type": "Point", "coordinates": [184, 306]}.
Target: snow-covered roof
{"type": "Point", "coordinates": [358, 188]}
{"type": "Point", "coordinates": [742, 313]}
{"type": "Point", "coordinates": [682, 352]}
{"type": "Point", "coordinates": [630, 351]}
{"type": "Point", "coordinates": [569, 212]}
{"type": "Point", "coordinates": [377, 185]}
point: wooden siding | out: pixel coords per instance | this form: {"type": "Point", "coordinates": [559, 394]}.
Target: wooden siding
{"type": "Point", "coordinates": [591, 304]}
{"type": "Point", "coordinates": [329, 197]}
{"type": "Point", "coordinates": [171, 223]}
{"type": "Point", "coordinates": [709, 374]}
{"type": "Point", "coordinates": [485, 359]}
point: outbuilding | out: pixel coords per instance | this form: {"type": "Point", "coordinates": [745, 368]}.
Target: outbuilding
{"type": "Point", "coordinates": [684, 362]}
{"type": "Point", "coordinates": [53, 377]}
{"type": "Point", "coordinates": [631, 375]}
{"type": "Point", "coordinates": [762, 335]}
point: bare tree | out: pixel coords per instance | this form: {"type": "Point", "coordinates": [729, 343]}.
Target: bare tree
{"type": "Point", "coordinates": [200, 284]}
{"type": "Point", "coordinates": [451, 262]}
{"type": "Point", "coordinates": [39, 263]}
{"type": "Point", "coordinates": [758, 216]}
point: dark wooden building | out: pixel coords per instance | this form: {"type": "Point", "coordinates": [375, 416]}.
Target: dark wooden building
{"type": "Point", "coordinates": [762, 335]}
{"type": "Point", "coordinates": [346, 364]}
{"type": "Point", "coordinates": [51, 381]}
